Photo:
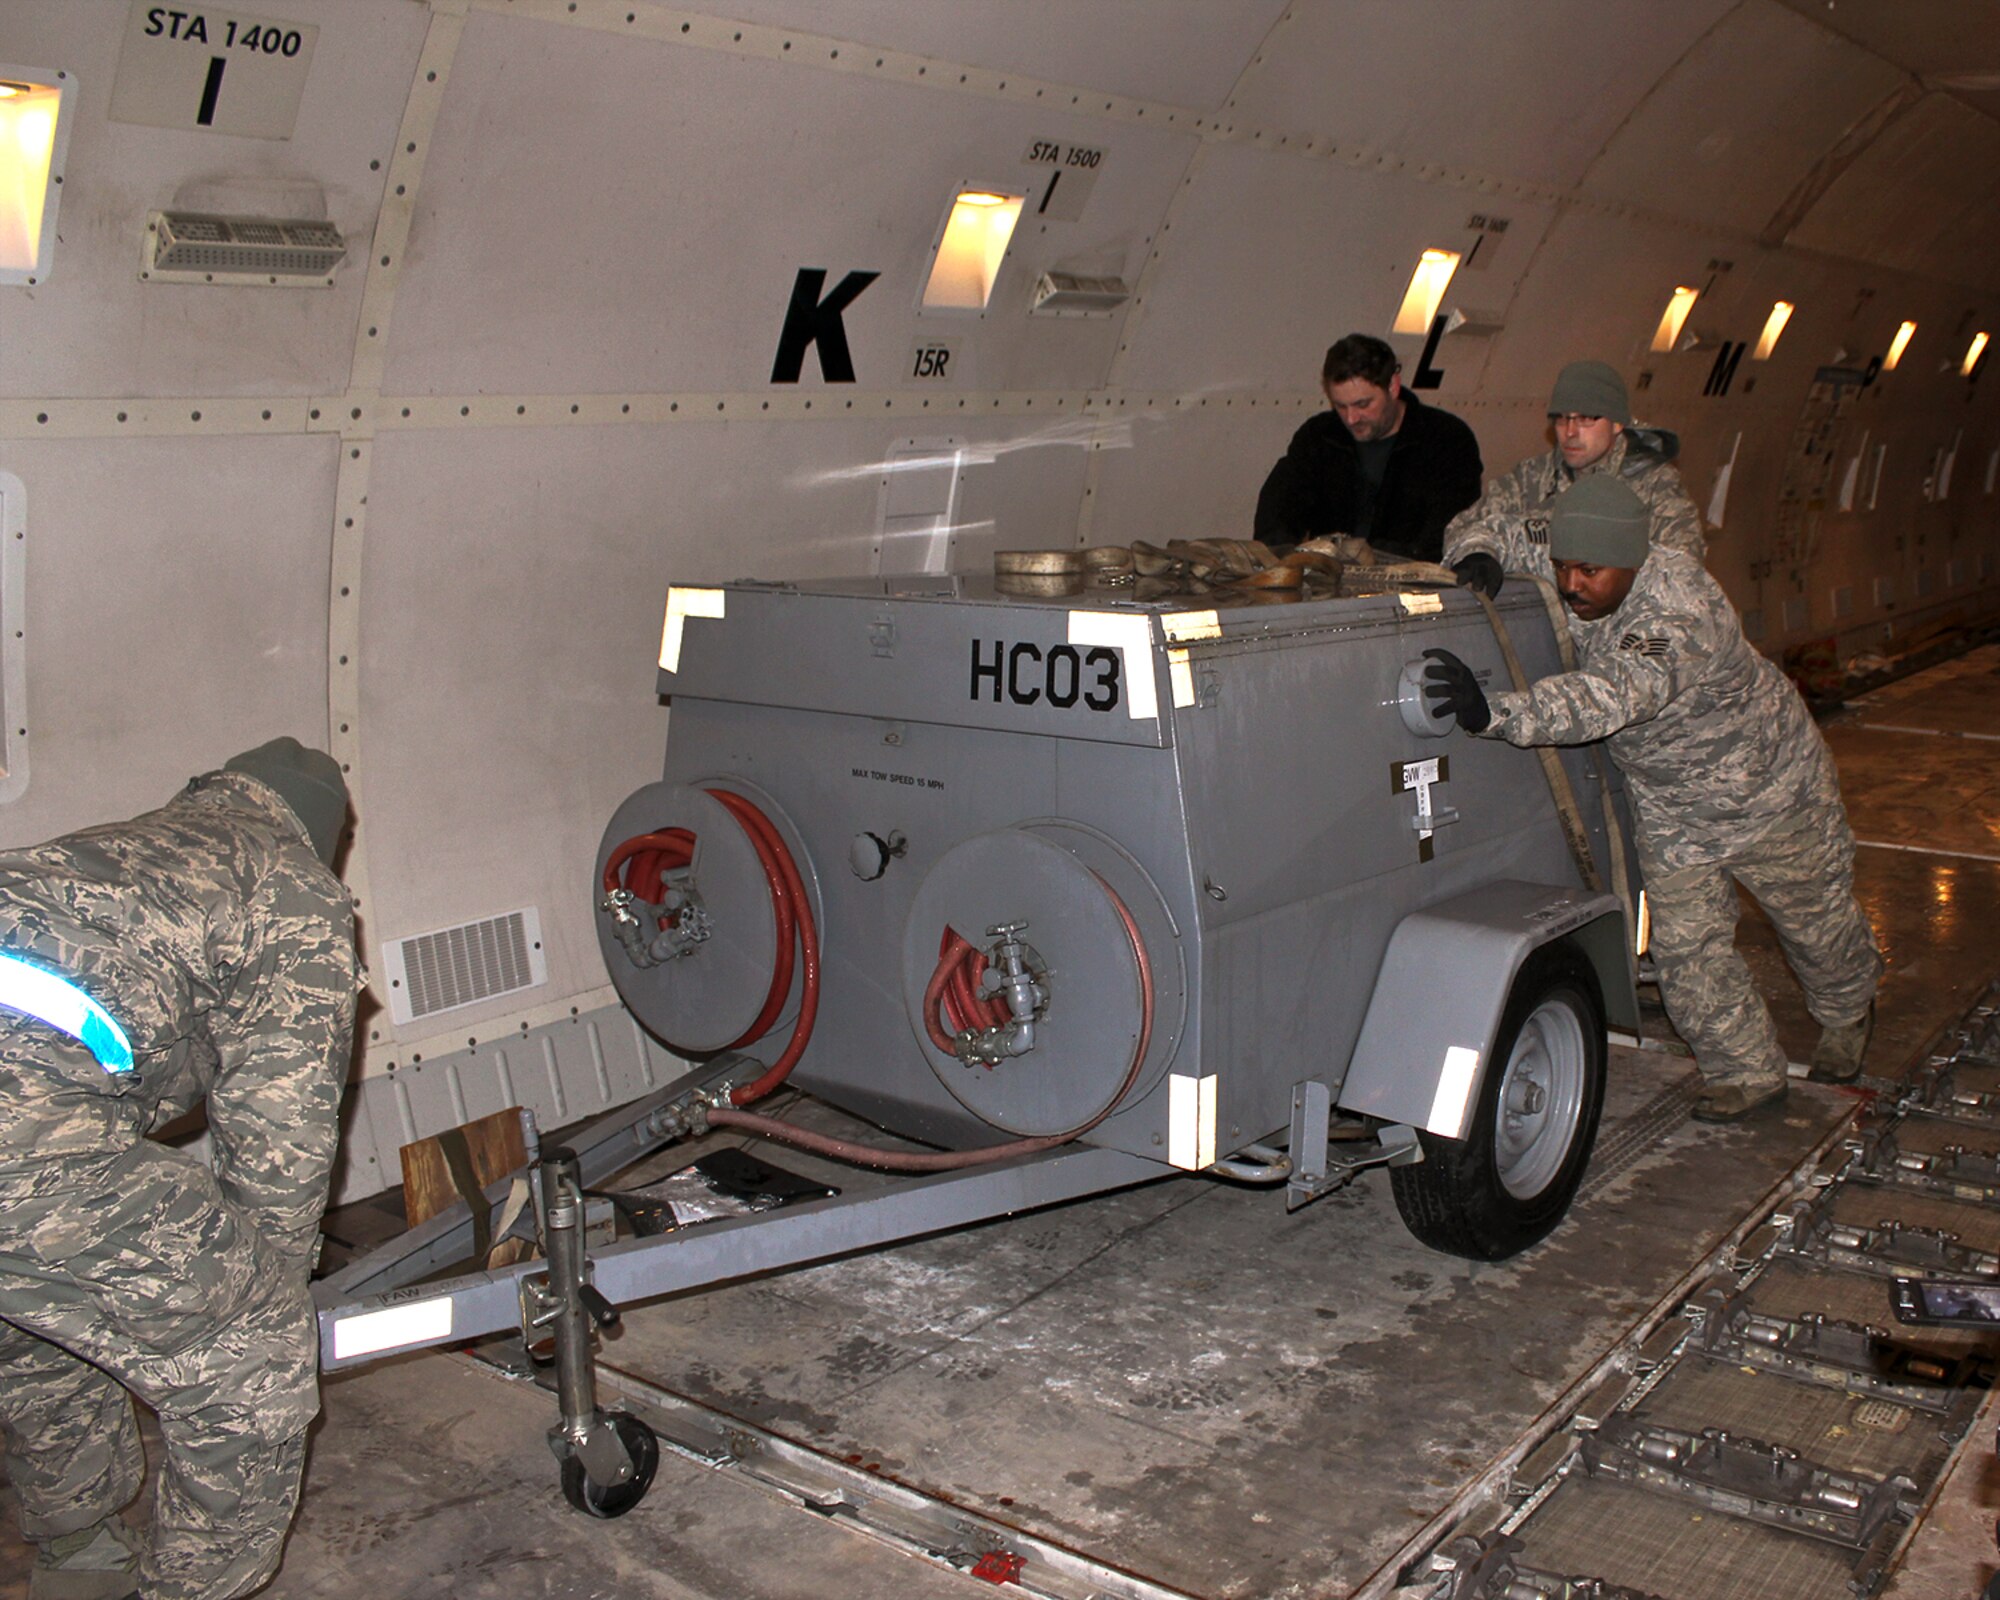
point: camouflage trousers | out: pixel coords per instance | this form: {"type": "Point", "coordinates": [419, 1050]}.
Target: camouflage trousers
{"type": "Point", "coordinates": [133, 1272]}
{"type": "Point", "coordinates": [1802, 874]}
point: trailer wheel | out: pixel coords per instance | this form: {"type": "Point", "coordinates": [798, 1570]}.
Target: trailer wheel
{"type": "Point", "coordinates": [614, 1500]}
{"type": "Point", "coordinates": [1510, 1180]}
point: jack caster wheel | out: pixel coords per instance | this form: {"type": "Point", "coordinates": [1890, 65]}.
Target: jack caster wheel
{"type": "Point", "coordinates": [614, 1500]}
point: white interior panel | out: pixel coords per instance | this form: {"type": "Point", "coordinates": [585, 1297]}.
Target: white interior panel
{"type": "Point", "coordinates": [608, 243]}
{"type": "Point", "coordinates": [1262, 318]}
{"type": "Point", "coordinates": [1188, 474]}
{"type": "Point", "coordinates": [1182, 52]}
{"type": "Point", "coordinates": [176, 614]}
{"type": "Point", "coordinates": [1895, 203]}
{"type": "Point", "coordinates": [93, 328]}
{"type": "Point", "coordinates": [1528, 92]}
{"type": "Point", "coordinates": [1734, 126]}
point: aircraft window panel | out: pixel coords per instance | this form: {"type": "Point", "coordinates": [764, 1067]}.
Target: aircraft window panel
{"type": "Point", "coordinates": [36, 109]}
{"type": "Point", "coordinates": [13, 641]}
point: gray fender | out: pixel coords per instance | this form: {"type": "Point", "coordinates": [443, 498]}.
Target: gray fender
{"type": "Point", "coordinates": [1444, 984]}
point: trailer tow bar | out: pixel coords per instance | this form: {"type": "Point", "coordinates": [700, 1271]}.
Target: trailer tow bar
{"type": "Point", "coordinates": [608, 1457]}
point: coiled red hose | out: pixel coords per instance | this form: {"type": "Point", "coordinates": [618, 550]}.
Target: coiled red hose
{"type": "Point", "coordinates": [955, 984]}
{"type": "Point", "coordinates": [950, 1160]}
{"type": "Point", "coordinates": [644, 861]}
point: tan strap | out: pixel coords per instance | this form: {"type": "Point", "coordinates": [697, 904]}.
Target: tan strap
{"type": "Point", "coordinates": [1567, 810]}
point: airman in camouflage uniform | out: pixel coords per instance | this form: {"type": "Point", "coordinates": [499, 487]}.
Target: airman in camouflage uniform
{"type": "Point", "coordinates": [214, 932]}
{"type": "Point", "coordinates": [1507, 529]}
{"type": "Point", "coordinates": [1730, 782]}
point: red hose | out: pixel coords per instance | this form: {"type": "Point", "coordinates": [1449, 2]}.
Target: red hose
{"type": "Point", "coordinates": [758, 826]}
{"type": "Point", "coordinates": [949, 1160]}
{"type": "Point", "coordinates": [646, 858]}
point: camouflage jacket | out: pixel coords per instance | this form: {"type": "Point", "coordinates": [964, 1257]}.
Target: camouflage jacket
{"type": "Point", "coordinates": [215, 937]}
{"type": "Point", "coordinates": [1510, 522]}
{"type": "Point", "coordinates": [1715, 743]}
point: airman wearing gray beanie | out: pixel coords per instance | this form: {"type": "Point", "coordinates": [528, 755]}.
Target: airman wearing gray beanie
{"type": "Point", "coordinates": [1591, 389]}
{"type": "Point", "coordinates": [1601, 522]}
{"type": "Point", "coordinates": [307, 780]}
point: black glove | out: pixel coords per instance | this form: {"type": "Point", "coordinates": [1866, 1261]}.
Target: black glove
{"type": "Point", "coordinates": [1453, 690]}
{"type": "Point", "coordinates": [1479, 572]}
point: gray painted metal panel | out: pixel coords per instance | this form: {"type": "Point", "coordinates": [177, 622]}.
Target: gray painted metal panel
{"type": "Point", "coordinates": [901, 649]}
{"type": "Point", "coordinates": [1268, 807]}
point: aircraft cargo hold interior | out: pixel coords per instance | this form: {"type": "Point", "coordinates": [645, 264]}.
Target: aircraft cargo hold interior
{"type": "Point", "coordinates": [1031, 734]}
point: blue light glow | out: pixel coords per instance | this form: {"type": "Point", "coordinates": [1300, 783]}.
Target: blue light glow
{"type": "Point", "coordinates": [51, 998]}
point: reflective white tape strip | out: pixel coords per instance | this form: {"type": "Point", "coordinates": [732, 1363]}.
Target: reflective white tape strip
{"type": "Point", "coordinates": [1447, 1118]}
{"type": "Point", "coordinates": [1191, 1121]}
{"type": "Point", "coordinates": [1132, 636]}
{"type": "Point", "coordinates": [369, 1333]}
{"type": "Point", "coordinates": [1418, 605]}
{"type": "Point", "coordinates": [682, 604]}
{"type": "Point", "coordinates": [1182, 625]}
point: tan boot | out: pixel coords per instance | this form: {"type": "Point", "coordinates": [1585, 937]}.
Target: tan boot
{"type": "Point", "coordinates": [1733, 1099]}
{"type": "Point", "coordinates": [94, 1563]}
{"type": "Point", "coordinates": [1837, 1056]}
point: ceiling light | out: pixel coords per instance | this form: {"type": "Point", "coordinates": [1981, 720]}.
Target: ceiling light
{"type": "Point", "coordinates": [1426, 292]}
{"type": "Point", "coordinates": [1973, 352]}
{"type": "Point", "coordinates": [973, 243]}
{"type": "Point", "coordinates": [1897, 346]}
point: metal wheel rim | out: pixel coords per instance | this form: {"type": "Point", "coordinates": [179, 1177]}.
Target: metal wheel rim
{"type": "Point", "coordinates": [1541, 1099]}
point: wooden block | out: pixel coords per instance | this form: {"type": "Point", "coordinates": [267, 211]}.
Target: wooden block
{"type": "Point", "coordinates": [491, 1147]}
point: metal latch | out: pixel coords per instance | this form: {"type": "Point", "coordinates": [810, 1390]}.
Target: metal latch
{"type": "Point", "coordinates": [1422, 776]}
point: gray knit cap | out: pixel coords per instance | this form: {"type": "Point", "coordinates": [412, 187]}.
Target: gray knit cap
{"type": "Point", "coordinates": [308, 781]}
{"type": "Point", "coordinates": [1591, 389]}
{"type": "Point", "coordinates": [1600, 521]}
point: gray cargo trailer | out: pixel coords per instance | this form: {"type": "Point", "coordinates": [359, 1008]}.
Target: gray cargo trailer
{"type": "Point", "coordinates": [1078, 890]}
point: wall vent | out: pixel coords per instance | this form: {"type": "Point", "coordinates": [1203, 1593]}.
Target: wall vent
{"type": "Point", "coordinates": [1885, 591]}
{"type": "Point", "coordinates": [429, 973]}
{"type": "Point", "coordinates": [1843, 601]}
{"type": "Point", "coordinates": [188, 247]}
{"type": "Point", "coordinates": [1796, 616]}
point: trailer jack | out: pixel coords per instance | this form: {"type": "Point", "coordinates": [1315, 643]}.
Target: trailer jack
{"type": "Point", "coordinates": [607, 1457]}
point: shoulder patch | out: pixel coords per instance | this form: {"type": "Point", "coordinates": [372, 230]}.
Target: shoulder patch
{"type": "Point", "coordinates": [1652, 645]}
{"type": "Point", "coordinates": [1536, 527]}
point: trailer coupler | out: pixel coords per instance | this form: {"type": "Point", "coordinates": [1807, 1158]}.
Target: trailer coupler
{"type": "Point", "coordinates": [607, 1457]}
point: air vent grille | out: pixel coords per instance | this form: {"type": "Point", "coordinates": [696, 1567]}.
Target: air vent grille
{"type": "Point", "coordinates": [185, 242]}
{"type": "Point", "coordinates": [430, 973]}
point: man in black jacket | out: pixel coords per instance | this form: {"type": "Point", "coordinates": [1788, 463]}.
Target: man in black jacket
{"type": "Point", "coordinates": [1381, 465]}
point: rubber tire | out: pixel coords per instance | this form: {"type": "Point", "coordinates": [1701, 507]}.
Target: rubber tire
{"type": "Point", "coordinates": [595, 1500]}
{"type": "Point", "coordinates": [1453, 1200]}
